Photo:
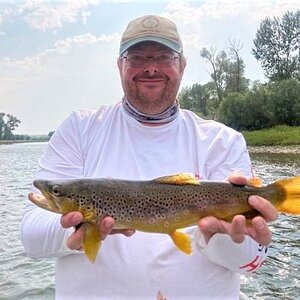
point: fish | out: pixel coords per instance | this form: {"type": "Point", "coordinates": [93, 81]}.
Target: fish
{"type": "Point", "coordinates": [163, 205]}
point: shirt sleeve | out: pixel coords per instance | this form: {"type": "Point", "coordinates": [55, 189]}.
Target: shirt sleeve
{"type": "Point", "coordinates": [41, 232]}
{"type": "Point", "coordinates": [244, 258]}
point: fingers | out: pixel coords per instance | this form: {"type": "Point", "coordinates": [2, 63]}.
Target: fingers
{"type": "Point", "coordinates": [267, 210]}
{"type": "Point", "coordinates": [210, 225]}
{"type": "Point", "coordinates": [74, 241]}
{"type": "Point", "coordinates": [106, 226]}
{"type": "Point", "coordinates": [238, 229]}
{"type": "Point", "coordinates": [260, 231]}
{"type": "Point", "coordinates": [71, 219]}
{"type": "Point", "coordinates": [237, 178]}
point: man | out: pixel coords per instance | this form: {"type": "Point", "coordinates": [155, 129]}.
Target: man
{"type": "Point", "coordinates": [143, 137]}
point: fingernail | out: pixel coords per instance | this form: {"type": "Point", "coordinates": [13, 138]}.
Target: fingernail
{"type": "Point", "coordinates": [240, 222]}
{"type": "Point", "coordinates": [260, 224]}
{"type": "Point", "coordinates": [76, 219]}
{"type": "Point", "coordinates": [253, 200]}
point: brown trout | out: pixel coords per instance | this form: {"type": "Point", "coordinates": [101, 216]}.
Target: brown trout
{"type": "Point", "coordinates": [162, 205]}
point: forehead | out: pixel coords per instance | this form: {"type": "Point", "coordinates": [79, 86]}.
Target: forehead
{"type": "Point", "coordinates": [149, 46]}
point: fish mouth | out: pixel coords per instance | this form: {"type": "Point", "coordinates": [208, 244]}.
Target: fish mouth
{"type": "Point", "coordinates": [43, 201]}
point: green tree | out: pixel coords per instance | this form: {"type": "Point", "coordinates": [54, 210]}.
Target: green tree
{"type": "Point", "coordinates": [218, 62]}
{"type": "Point", "coordinates": [2, 125]}
{"type": "Point", "coordinates": [285, 102]}
{"type": "Point", "coordinates": [228, 70]}
{"type": "Point", "coordinates": [276, 45]}
{"type": "Point", "coordinates": [235, 80]}
{"type": "Point", "coordinates": [231, 111]}
{"type": "Point", "coordinates": [195, 98]}
{"type": "Point", "coordinates": [8, 123]}
{"type": "Point", "coordinates": [265, 105]}
{"type": "Point", "coordinates": [258, 113]}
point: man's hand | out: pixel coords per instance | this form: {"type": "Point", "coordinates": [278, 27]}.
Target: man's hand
{"type": "Point", "coordinates": [74, 219]}
{"type": "Point", "coordinates": [237, 229]}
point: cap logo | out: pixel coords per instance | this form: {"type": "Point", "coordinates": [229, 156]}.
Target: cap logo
{"type": "Point", "coordinates": [150, 24]}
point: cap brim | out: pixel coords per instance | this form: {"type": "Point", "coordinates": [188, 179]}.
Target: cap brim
{"type": "Point", "coordinates": [168, 43]}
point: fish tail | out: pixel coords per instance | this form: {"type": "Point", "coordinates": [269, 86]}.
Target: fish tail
{"type": "Point", "coordinates": [182, 241]}
{"type": "Point", "coordinates": [290, 200]}
{"type": "Point", "coordinates": [91, 241]}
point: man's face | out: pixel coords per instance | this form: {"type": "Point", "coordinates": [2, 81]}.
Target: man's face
{"type": "Point", "coordinates": [150, 86]}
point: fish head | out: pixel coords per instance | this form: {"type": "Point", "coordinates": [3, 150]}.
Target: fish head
{"type": "Point", "coordinates": [56, 196]}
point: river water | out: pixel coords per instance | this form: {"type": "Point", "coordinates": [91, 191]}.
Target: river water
{"type": "Point", "coordinates": [25, 278]}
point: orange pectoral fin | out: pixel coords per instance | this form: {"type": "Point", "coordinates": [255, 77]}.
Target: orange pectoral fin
{"type": "Point", "coordinates": [182, 241]}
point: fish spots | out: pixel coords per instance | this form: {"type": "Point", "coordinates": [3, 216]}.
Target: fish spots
{"type": "Point", "coordinates": [157, 205]}
{"type": "Point", "coordinates": [152, 221]}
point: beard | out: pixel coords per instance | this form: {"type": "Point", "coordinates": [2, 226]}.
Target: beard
{"type": "Point", "coordinates": [151, 102]}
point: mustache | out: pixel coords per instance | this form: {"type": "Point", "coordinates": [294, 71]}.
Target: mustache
{"type": "Point", "coordinates": [148, 76]}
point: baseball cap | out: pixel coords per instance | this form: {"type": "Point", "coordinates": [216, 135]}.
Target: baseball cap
{"type": "Point", "coordinates": [151, 28]}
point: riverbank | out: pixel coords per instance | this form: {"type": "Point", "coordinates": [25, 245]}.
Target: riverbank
{"type": "Point", "coordinates": [8, 142]}
{"type": "Point", "coordinates": [277, 136]}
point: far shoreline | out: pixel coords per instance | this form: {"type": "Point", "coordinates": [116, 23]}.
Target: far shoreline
{"type": "Point", "coordinates": [283, 136]}
{"type": "Point", "coordinates": [10, 142]}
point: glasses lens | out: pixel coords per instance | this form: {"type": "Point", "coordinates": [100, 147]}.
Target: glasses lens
{"type": "Point", "coordinates": [139, 60]}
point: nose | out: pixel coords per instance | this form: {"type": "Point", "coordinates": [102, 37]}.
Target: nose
{"type": "Point", "coordinates": [150, 66]}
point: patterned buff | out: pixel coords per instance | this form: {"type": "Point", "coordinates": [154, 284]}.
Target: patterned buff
{"type": "Point", "coordinates": [165, 117]}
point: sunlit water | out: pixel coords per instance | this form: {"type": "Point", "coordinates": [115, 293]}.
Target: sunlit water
{"type": "Point", "coordinates": [25, 278]}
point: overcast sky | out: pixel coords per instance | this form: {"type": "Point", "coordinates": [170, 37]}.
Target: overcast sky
{"type": "Point", "coordinates": [60, 56]}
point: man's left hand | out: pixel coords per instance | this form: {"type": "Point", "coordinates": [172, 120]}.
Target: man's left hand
{"type": "Point", "coordinates": [237, 228]}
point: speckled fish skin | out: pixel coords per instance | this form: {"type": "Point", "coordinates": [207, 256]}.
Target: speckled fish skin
{"type": "Point", "coordinates": [149, 205]}
{"type": "Point", "coordinates": [162, 205]}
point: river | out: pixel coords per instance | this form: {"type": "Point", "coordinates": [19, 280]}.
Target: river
{"type": "Point", "coordinates": [28, 279]}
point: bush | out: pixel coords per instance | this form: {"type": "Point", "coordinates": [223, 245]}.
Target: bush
{"type": "Point", "coordinates": [264, 106]}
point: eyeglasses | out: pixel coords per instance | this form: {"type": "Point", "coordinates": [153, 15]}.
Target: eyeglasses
{"type": "Point", "coordinates": [163, 60]}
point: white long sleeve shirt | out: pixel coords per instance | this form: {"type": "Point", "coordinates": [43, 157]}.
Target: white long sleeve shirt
{"type": "Point", "coordinates": [110, 143]}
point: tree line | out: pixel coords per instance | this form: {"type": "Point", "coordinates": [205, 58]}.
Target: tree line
{"type": "Point", "coordinates": [8, 123]}
{"type": "Point", "coordinates": [232, 99]}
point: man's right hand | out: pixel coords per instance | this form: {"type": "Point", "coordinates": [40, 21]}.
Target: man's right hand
{"type": "Point", "coordinates": [75, 218]}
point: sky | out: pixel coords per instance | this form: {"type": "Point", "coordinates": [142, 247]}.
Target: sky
{"type": "Point", "coordinates": [60, 56]}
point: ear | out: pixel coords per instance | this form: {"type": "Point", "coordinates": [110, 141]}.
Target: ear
{"type": "Point", "coordinates": [119, 62]}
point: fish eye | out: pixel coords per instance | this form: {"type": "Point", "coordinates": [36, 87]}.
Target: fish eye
{"type": "Point", "coordinates": [56, 190]}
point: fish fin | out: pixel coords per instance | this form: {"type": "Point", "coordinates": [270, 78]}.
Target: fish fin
{"type": "Point", "coordinates": [179, 179]}
{"type": "Point", "coordinates": [91, 241]}
{"type": "Point", "coordinates": [255, 182]}
{"type": "Point", "coordinates": [291, 200]}
{"type": "Point", "coordinates": [182, 241]}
